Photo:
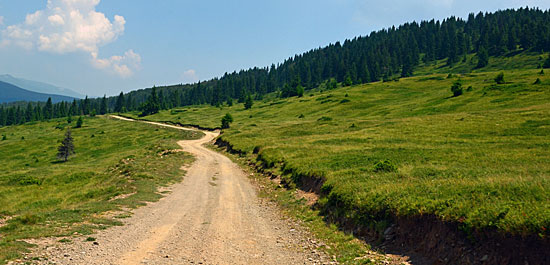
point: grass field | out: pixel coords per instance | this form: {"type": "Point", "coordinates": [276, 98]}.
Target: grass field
{"type": "Point", "coordinates": [40, 196]}
{"type": "Point", "coordinates": [479, 159]}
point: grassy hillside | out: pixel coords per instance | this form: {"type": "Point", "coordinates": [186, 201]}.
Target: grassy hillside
{"type": "Point", "coordinates": [479, 159]}
{"type": "Point", "coordinates": [40, 196]}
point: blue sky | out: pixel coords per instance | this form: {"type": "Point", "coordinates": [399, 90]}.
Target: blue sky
{"type": "Point", "coordinates": [124, 45]}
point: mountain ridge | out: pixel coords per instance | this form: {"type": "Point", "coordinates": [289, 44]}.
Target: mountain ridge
{"type": "Point", "coordinates": [11, 93]}
{"type": "Point", "coordinates": [39, 87]}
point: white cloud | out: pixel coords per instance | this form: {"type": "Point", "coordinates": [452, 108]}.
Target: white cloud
{"type": "Point", "coordinates": [122, 65]}
{"type": "Point", "coordinates": [190, 76]}
{"type": "Point", "coordinates": [68, 26]}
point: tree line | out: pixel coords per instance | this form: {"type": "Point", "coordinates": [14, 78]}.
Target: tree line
{"type": "Point", "coordinates": [383, 54]}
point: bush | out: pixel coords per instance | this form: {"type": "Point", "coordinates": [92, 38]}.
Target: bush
{"type": "Point", "coordinates": [226, 121]}
{"type": "Point", "coordinates": [456, 88]}
{"type": "Point", "coordinates": [384, 166]}
{"type": "Point", "coordinates": [301, 116]}
{"type": "Point", "coordinates": [257, 149]}
{"type": "Point", "coordinates": [537, 82]}
{"type": "Point", "coordinates": [500, 79]}
{"type": "Point", "coordinates": [28, 219]}
{"type": "Point", "coordinates": [324, 118]}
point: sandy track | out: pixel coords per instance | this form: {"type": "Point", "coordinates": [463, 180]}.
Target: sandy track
{"type": "Point", "coordinates": [212, 217]}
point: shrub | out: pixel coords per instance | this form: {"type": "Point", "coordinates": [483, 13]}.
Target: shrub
{"type": "Point", "coordinates": [456, 88]}
{"type": "Point", "coordinates": [28, 219]}
{"type": "Point", "coordinates": [324, 118]}
{"type": "Point", "coordinates": [537, 82]}
{"type": "Point", "coordinates": [301, 116]}
{"type": "Point", "coordinates": [345, 100]}
{"type": "Point", "coordinates": [500, 78]}
{"type": "Point", "coordinates": [226, 121]}
{"type": "Point", "coordinates": [384, 166]}
{"type": "Point", "coordinates": [257, 149]}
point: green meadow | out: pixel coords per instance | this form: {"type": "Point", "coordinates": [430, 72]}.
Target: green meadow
{"type": "Point", "coordinates": [118, 165]}
{"type": "Point", "coordinates": [408, 147]}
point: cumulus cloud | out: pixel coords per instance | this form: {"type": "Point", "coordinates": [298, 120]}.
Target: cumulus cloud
{"type": "Point", "coordinates": [190, 76]}
{"type": "Point", "coordinates": [68, 26]}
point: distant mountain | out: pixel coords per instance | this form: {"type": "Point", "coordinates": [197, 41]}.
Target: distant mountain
{"type": "Point", "coordinates": [39, 87]}
{"type": "Point", "coordinates": [10, 93]}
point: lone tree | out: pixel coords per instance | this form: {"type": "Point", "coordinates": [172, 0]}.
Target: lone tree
{"type": "Point", "coordinates": [457, 89]}
{"type": "Point", "coordinates": [226, 120]}
{"type": "Point", "coordinates": [79, 122]}
{"type": "Point", "coordinates": [500, 79]}
{"type": "Point", "coordinates": [66, 148]}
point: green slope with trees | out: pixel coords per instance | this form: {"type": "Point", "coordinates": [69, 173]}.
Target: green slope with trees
{"type": "Point", "coordinates": [409, 147]}
{"type": "Point", "coordinates": [382, 55]}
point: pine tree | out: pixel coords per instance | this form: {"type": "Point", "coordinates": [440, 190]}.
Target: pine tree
{"type": "Point", "coordinates": [482, 58]}
{"type": "Point", "coordinates": [248, 102]}
{"type": "Point", "coordinates": [120, 102]}
{"type": "Point", "coordinates": [103, 106]}
{"type": "Point", "coordinates": [86, 109]}
{"type": "Point", "coordinates": [66, 148]}
{"type": "Point", "coordinates": [152, 104]}
{"type": "Point", "coordinates": [79, 122]}
{"type": "Point", "coordinates": [226, 121]}
{"type": "Point", "coordinates": [547, 62]}
{"type": "Point", "coordinates": [48, 110]}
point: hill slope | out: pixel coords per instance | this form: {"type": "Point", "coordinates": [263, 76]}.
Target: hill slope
{"type": "Point", "coordinates": [41, 197]}
{"type": "Point", "coordinates": [11, 93]}
{"type": "Point", "coordinates": [392, 151]}
{"type": "Point", "coordinates": [39, 87]}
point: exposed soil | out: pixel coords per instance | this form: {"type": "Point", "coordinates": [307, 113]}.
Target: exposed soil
{"type": "Point", "coordinates": [213, 217]}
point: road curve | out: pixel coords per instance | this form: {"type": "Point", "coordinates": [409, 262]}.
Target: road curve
{"type": "Point", "coordinates": [213, 217]}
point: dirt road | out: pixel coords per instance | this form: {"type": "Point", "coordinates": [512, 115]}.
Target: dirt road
{"type": "Point", "coordinates": [212, 217]}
